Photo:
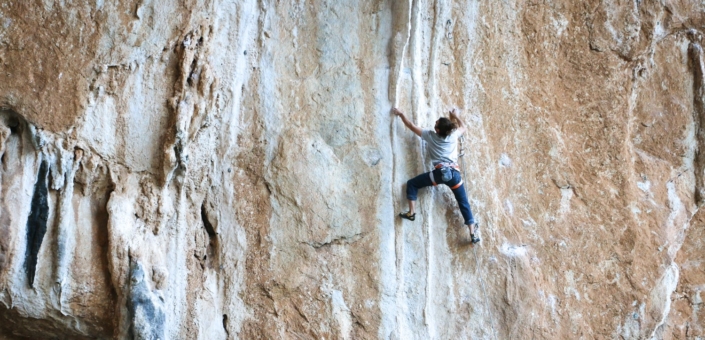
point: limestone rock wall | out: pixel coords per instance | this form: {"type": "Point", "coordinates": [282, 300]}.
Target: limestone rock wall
{"type": "Point", "coordinates": [215, 169]}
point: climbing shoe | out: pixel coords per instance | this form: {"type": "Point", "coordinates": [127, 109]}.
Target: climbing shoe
{"type": "Point", "coordinates": [473, 236]}
{"type": "Point", "coordinates": [408, 216]}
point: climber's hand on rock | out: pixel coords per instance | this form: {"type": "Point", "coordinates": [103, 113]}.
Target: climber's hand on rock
{"type": "Point", "coordinates": [454, 113]}
{"type": "Point", "coordinates": [397, 113]}
{"type": "Point", "coordinates": [407, 122]}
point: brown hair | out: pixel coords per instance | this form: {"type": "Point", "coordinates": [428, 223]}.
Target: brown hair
{"type": "Point", "coordinates": [445, 126]}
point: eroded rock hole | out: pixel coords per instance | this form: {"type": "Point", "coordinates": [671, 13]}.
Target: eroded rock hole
{"type": "Point", "coordinates": [14, 124]}
{"type": "Point", "coordinates": [37, 222]}
{"type": "Point", "coordinates": [212, 249]}
{"type": "Point", "coordinates": [193, 75]}
{"type": "Point", "coordinates": [206, 223]}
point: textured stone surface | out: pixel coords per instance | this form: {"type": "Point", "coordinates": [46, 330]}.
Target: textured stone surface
{"type": "Point", "coordinates": [230, 169]}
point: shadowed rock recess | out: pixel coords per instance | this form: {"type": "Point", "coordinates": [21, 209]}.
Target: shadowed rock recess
{"type": "Point", "coordinates": [211, 169]}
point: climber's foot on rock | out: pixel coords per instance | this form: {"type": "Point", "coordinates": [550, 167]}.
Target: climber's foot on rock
{"type": "Point", "coordinates": [474, 238]}
{"type": "Point", "coordinates": [408, 215]}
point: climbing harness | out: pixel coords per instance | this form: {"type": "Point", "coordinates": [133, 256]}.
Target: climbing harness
{"type": "Point", "coordinates": [477, 264]}
{"type": "Point", "coordinates": [446, 174]}
{"type": "Point", "coordinates": [447, 165]}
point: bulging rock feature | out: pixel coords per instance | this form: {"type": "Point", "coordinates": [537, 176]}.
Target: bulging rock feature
{"type": "Point", "coordinates": [208, 169]}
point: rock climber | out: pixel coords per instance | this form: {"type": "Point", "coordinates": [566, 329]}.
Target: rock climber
{"type": "Point", "coordinates": [442, 146]}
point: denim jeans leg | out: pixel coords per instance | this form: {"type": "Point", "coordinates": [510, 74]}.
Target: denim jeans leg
{"type": "Point", "coordinates": [463, 204]}
{"type": "Point", "coordinates": [413, 185]}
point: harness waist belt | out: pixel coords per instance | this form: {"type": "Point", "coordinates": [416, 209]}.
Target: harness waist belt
{"type": "Point", "coordinates": [450, 165]}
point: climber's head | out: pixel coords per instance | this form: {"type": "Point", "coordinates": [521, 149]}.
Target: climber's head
{"type": "Point", "coordinates": [444, 127]}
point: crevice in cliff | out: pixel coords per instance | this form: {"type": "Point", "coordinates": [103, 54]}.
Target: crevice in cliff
{"type": "Point", "coordinates": [37, 222]}
{"type": "Point", "coordinates": [225, 325]}
{"type": "Point", "coordinates": [336, 241]}
{"type": "Point", "coordinates": [103, 237]}
{"type": "Point", "coordinates": [399, 43]}
{"type": "Point", "coordinates": [695, 52]}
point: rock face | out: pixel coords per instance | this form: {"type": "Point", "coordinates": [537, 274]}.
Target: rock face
{"type": "Point", "coordinates": [207, 169]}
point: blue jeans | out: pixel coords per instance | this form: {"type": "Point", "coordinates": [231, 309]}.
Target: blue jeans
{"type": "Point", "coordinates": [424, 180]}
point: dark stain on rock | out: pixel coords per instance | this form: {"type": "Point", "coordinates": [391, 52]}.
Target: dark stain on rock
{"type": "Point", "coordinates": [36, 222]}
{"type": "Point", "coordinates": [147, 316]}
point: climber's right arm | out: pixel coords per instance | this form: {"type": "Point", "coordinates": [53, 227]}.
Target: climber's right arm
{"type": "Point", "coordinates": [454, 115]}
{"type": "Point", "coordinates": [407, 122]}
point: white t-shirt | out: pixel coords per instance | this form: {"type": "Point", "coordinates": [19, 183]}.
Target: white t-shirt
{"type": "Point", "coordinates": [441, 150]}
